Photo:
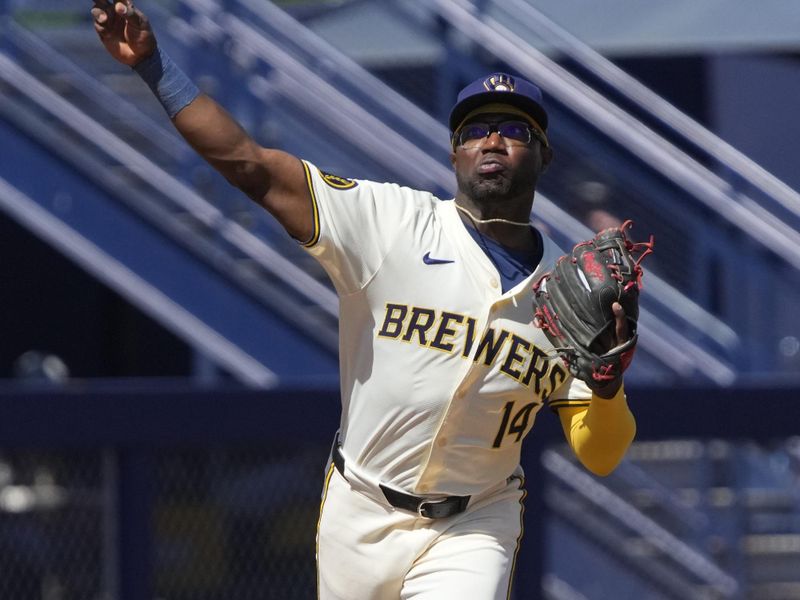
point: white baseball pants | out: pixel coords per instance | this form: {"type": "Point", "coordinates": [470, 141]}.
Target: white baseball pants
{"type": "Point", "coordinates": [368, 550]}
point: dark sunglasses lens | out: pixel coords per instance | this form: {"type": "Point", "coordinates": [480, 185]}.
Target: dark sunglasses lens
{"type": "Point", "coordinates": [474, 131]}
{"type": "Point", "coordinates": [514, 130]}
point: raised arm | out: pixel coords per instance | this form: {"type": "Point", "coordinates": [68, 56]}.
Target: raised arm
{"type": "Point", "coordinates": [272, 178]}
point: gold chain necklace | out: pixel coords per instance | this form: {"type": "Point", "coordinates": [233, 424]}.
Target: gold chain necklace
{"type": "Point", "coordinates": [477, 220]}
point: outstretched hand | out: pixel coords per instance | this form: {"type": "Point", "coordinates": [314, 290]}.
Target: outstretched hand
{"type": "Point", "coordinates": [124, 31]}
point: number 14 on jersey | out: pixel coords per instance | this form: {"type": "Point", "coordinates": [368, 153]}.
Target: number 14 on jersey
{"type": "Point", "coordinates": [513, 423]}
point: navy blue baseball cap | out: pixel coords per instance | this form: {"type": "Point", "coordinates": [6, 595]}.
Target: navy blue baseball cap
{"type": "Point", "coordinates": [499, 88]}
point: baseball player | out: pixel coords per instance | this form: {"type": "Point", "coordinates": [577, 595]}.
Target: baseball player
{"type": "Point", "coordinates": [442, 371]}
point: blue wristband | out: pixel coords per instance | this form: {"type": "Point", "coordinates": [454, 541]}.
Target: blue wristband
{"type": "Point", "coordinates": [172, 87]}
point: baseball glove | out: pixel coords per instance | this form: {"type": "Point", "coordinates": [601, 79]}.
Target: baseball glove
{"type": "Point", "coordinates": [572, 304]}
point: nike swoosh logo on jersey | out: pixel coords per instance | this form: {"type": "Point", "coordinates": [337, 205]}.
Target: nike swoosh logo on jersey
{"type": "Point", "coordinates": [434, 261]}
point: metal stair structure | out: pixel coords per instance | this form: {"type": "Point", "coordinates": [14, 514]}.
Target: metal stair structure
{"type": "Point", "coordinates": [694, 519]}
{"type": "Point", "coordinates": [270, 106]}
{"type": "Point", "coordinates": [247, 19]}
{"type": "Point", "coordinates": [154, 239]}
{"type": "Point", "coordinates": [705, 201]}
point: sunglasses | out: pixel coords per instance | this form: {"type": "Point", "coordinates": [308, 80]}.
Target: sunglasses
{"type": "Point", "coordinates": [515, 133]}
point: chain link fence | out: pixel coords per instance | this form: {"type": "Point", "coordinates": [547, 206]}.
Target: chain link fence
{"type": "Point", "coordinates": [226, 523]}
{"type": "Point", "coordinates": [239, 522]}
{"type": "Point", "coordinates": [52, 525]}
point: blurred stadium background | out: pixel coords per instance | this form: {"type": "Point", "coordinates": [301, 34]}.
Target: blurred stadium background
{"type": "Point", "coordinates": [168, 358]}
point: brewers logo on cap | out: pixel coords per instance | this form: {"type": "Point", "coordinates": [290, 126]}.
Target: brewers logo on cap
{"type": "Point", "coordinates": [499, 82]}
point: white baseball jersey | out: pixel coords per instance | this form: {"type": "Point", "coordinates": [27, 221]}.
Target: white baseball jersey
{"type": "Point", "coordinates": [442, 374]}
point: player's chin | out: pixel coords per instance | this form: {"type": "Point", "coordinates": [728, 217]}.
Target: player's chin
{"type": "Point", "coordinates": [495, 184]}
{"type": "Point", "coordinates": [484, 188]}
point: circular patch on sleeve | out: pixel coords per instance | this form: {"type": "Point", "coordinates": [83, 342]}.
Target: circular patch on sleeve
{"type": "Point", "coordinates": [337, 182]}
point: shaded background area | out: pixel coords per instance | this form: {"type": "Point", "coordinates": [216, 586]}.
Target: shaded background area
{"type": "Point", "coordinates": [52, 307]}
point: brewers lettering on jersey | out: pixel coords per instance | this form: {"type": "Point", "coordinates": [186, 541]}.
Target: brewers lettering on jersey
{"type": "Point", "coordinates": [442, 370]}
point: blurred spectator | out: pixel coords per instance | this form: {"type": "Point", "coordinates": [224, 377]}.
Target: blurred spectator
{"type": "Point", "coordinates": [39, 367]}
{"type": "Point", "coordinates": [594, 197]}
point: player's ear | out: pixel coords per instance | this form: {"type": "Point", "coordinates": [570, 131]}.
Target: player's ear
{"type": "Point", "coordinates": [547, 157]}
{"type": "Point", "coordinates": [453, 150]}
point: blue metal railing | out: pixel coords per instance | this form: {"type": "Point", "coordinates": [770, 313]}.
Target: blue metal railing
{"type": "Point", "coordinates": [388, 107]}
{"type": "Point", "coordinates": [746, 175]}
{"type": "Point", "coordinates": [120, 260]}
{"type": "Point", "coordinates": [679, 335]}
{"type": "Point", "coordinates": [693, 562]}
{"type": "Point", "coordinates": [704, 185]}
{"type": "Point", "coordinates": [227, 34]}
{"type": "Point", "coordinates": [719, 239]}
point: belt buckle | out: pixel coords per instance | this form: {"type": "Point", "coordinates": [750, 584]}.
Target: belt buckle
{"type": "Point", "coordinates": [427, 509]}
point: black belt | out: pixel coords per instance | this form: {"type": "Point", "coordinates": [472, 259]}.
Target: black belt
{"type": "Point", "coordinates": [437, 508]}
